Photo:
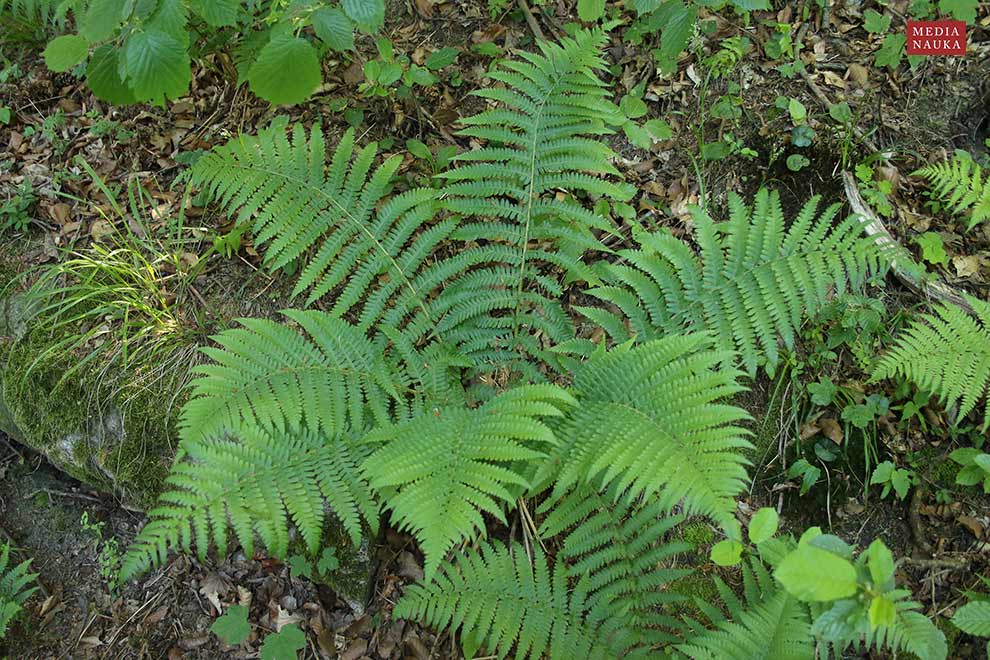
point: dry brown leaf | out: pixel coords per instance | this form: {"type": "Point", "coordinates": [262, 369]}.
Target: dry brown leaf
{"type": "Point", "coordinates": [831, 429]}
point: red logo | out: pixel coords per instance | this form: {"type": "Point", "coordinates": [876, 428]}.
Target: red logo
{"type": "Point", "coordinates": [936, 38]}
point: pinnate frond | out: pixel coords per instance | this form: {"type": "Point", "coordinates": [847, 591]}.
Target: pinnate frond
{"type": "Point", "coordinates": [443, 470]}
{"type": "Point", "coordinates": [752, 283]}
{"type": "Point", "coordinates": [946, 353]}
{"type": "Point", "coordinates": [650, 420]}
{"type": "Point", "coordinates": [963, 185]}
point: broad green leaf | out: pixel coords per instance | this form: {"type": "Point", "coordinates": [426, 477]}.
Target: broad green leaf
{"type": "Point", "coordinates": [763, 525]}
{"type": "Point", "coordinates": [218, 12]}
{"type": "Point", "coordinates": [880, 561]}
{"type": "Point", "coordinates": [974, 618]}
{"type": "Point", "coordinates": [891, 51]}
{"type": "Point", "coordinates": [751, 5]}
{"type": "Point", "coordinates": [419, 150]}
{"type": "Point", "coordinates": [882, 612]}
{"type": "Point", "coordinates": [797, 162]}
{"type": "Point", "coordinates": [4, 115]}
{"type": "Point", "coordinates": [875, 22]}
{"type": "Point", "coordinates": [632, 107]}
{"type": "Point", "coordinates": [287, 71]}
{"type": "Point", "coordinates": [813, 574]}
{"type": "Point", "coordinates": [823, 392]}
{"type": "Point", "coordinates": [103, 77]}
{"type": "Point", "coordinates": [65, 52]}
{"type": "Point", "coordinates": [328, 561]}
{"type": "Point", "coordinates": [678, 26]}
{"type": "Point", "coordinates": [101, 19]}
{"type": "Point", "coordinates": [727, 552]}
{"type": "Point", "coordinates": [441, 58]}
{"type": "Point", "coordinates": [334, 28]}
{"type": "Point", "coordinates": [970, 475]}
{"type": "Point", "coordinates": [284, 644]}
{"type": "Point", "coordinates": [301, 566]}
{"type": "Point", "coordinates": [961, 10]}
{"type": "Point", "coordinates": [659, 130]}
{"type": "Point", "coordinates": [799, 114]}
{"type": "Point", "coordinates": [932, 248]}
{"type": "Point", "coordinates": [233, 627]}
{"type": "Point", "coordinates": [156, 66]}
{"type": "Point", "coordinates": [964, 455]}
{"type": "Point", "coordinates": [368, 14]}
{"type": "Point", "coordinates": [590, 10]}
{"type": "Point", "coordinates": [637, 135]}
{"type": "Point", "coordinates": [840, 112]}
{"type": "Point", "coordinates": [983, 461]}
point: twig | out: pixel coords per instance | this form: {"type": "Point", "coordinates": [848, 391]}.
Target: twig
{"type": "Point", "coordinates": [875, 227]}
{"type": "Point", "coordinates": [951, 564]}
{"type": "Point", "coordinates": [531, 20]}
{"type": "Point", "coordinates": [914, 519]}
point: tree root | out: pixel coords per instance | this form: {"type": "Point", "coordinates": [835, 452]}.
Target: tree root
{"type": "Point", "coordinates": [930, 290]}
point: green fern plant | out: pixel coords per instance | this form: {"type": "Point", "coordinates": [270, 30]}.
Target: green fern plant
{"type": "Point", "coordinates": [962, 184]}
{"type": "Point", "coordinates": [753, 282]}
{"type": "Point", "coordinates": [14, 581]}
{"type": "Point", "coordinates": [441, 385]}
{"type": "Point", "coordinates": [766, 622]}
{"type": "Point", "coordinates": [946, 353]}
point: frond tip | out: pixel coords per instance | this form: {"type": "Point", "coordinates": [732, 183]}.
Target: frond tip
{"type": "Point", "coordinates": [962, 185]}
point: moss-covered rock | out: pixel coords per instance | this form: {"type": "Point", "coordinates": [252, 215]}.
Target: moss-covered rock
{"type": "Point", "coordinates": [116, 431]}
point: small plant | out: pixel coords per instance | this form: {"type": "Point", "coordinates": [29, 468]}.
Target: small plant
{"type": "Point", "coordinates": [974, 617]}
{"type": "Point", "coordinates": [109, 557]}
{"type": "Point", "coordinates": [14, 591]}
{"type": "Point", "coordinates": [975, 467]}
{"type": "Point", "coordinates": [15, 213]}
{"type": "Point", "coordinates": [891, 477]}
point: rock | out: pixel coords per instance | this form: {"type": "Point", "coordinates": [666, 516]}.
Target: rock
{"type": "Point", "coordinates": [117, 432]}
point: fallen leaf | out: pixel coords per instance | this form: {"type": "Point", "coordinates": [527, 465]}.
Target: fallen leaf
{"type": "Point", "coordinates": [831, 429]}
{"type": "Point", "coordinates": [966, 266]}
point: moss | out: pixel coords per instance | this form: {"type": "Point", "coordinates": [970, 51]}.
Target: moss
{"type": "Point", "coordinates": [696, 586]}
{"type": "Point", "coordinates": [937, 466]}
{"type": "Point", "coordinates": [698, 533]}
{"type": "Point", "coordinates": [112, 432]}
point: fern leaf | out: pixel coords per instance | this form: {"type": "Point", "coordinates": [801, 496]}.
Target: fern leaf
{"type": "Point", "coordinates": [13, 591]}
{"type": "Point", "coordinates": [770, 624]}
{"type": "Point", "coordinates": [547, 105]}
{"type": "Point", "coordinates": [752, 284]}
{"type": "Point", "coordinates": [448, 467]}
{"type": "Point", "coordinates": [962, 185]}
{"type": "Point", "coordinates": [649, 420]}
{"type": "Point", "coordinates": [328, 378]}
{"type": "Point", "coordinates": [947, 353]}
{"type": "Point", "coordinates": [911, 631]}
{"type": "Point", "coordinates": [256, 482]}
{"type": "Point", "coordinates": [499, 601]}
{"type": "Point", "coordinates": [620, 545]}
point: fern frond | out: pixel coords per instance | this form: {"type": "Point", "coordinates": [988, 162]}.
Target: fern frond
{"type": "Point", "coordinates": [537, 145]}
{"type": "Point", "coordinates": [443, 470]}
{"type": "Point", "coordinates": [961, 184]}
{"type": "Point", "coordinates": [621, 546]}
{"type": "Point", "coordinates": [13, 591]}
{"type": "Point", "coordinates": [753, 282]}
{"type": "Point", "coordinates": [36, 11]}
{"type": "Point", "coordinates": [911, 631]}
{"type": "Point", "coordinates": [256, 482]}
{"type": "Point", "coordinates": [649, 420]}
{"type": "Point", "coordinates": [328, 378]}
{"type": "Point", "coordinates": [946, 353]}
{"type": "Point", "coordinates": [769, 623]}
{"type": "Point", "coordinates": [499, 601]}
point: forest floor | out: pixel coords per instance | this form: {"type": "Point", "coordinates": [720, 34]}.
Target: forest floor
{"type": "Point", "coordinates": [910, 116]}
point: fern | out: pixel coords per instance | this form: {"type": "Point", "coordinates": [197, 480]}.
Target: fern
{"type": "Point", "coordinates": [649, 420]}
{"type": "Point", "coordinates": [620, 545]}
{"type": "Point", "coordinates": [13, 593]}
{"type": "Point", "coordinates": [449, 466]}
{"type": "Point", "coordinates": [36, 11]}
{"type": "Point", "coordinates": [500, 601]}
{"type": "Point", "coordinates": [947, 353]}
{"type": "Point", "coordinates": [911, 631]}
{"type": "Point", "coordinates": [537, 145]}
{"type": "Point", "coordinates": [257, 483]}
{"type": "Point", "coordinates": [752, 284]}
{"type": "Point", "coordinates": [768, 623]}
{"type": "Point", "coordinates": [268, 376]}
{"type": "Point", "coordinates": [962, 185]}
